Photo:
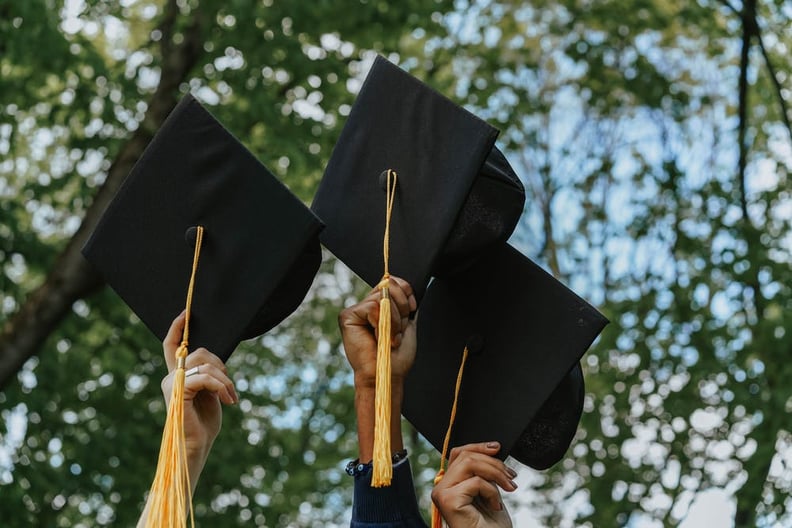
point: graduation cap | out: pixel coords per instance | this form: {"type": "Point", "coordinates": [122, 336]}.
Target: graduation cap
{"type": "Point", "coordinates": [455, 195]}
{"type": "Point", "coordinates": [260, 249]}
{"type": "Point", "coordinates": [416, 187]}
{"type": "Point", "coordinates": [199, 221]}
{"type": "Point", "coordinates": [521, 385]}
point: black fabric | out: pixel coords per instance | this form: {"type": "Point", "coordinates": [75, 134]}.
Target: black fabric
{"type": "Point", "coordinates": [260, 250]}
{"type": "Point", "coordinates": [393, 506]}
{"type": "Point", "coordinates": [487, 218]}
{"type": "Point", "coordinates": [552, 429]}
{"type": "Point", "coordinates": [525, 331]}
{"type": "Point", "coordinates": [290, 291]}
{"type": "Point", "coordinates": [451, 182]}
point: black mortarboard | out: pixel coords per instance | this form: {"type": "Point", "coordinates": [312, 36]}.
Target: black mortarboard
{"type": "Point", "coordinates": [521, 383]}
{"type": "Point", "coordinates": [456, 194]}
{"type": "Point", "coordinates": [260, 248]}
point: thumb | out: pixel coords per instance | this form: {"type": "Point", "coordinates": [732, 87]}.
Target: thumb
{"type": "Point", "coordinates": [172, 340]}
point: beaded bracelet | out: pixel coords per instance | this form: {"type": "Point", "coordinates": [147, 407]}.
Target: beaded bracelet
{"type": "Point", "coordinates": [355, 467]}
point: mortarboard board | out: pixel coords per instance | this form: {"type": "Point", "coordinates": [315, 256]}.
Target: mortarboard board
{"type": "Point", "coordinates": [260, 249]}
{"type": "Point", "coordinates": [415, 187]}
{"type": "Point", "coordinates": [521, 384]}
{"type": "Point", "coordinates": [456, 194]}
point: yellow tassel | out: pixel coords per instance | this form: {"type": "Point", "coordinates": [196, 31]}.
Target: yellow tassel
{"type": "Point", "coordinates": [170, 496]}
{"type": "Point", "coordinates": [382, 468]}
{"type": "Point", "coordinates": [171, 487]}
{"type": "Point", "coordinates": [437, 521]}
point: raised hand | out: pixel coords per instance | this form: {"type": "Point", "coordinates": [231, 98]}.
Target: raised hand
{"type": "Point", "coordinates": [468, 495]}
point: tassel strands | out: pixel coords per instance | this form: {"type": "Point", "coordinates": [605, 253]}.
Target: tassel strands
{"type": "Point", "coordinates": [171, 493]}
{"type": "Point", "coordinates": [437, 521]}
{"type": "Point", "coordinates": [382, 470]}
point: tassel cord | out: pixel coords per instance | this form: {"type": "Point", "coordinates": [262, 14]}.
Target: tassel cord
{"type": "Point", "coordinates": [171, 492]}
{"type": "Point", "coordinates": [437, 521]}
{"type": "Point", "coordinates": [382, 470]}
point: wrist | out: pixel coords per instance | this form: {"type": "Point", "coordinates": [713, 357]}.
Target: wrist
{"type": "Point", "coordinates": [364, 382]}
{"type": "Point", "coordinates": [197, 455]}
{"type": "Point", "coordinates": [197, 449]}
{"type": "Point", "coordinates": [356, 467]}
{"type": "Point", "coordinates": [365, 397]}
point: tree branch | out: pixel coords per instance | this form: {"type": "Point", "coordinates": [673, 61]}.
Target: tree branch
{"type": "Point", "coordinates": [776, 83]}
{"type": "Point", "coordinates": [742, 110]}
{"type": "Point", "coordinates": [71, 278]}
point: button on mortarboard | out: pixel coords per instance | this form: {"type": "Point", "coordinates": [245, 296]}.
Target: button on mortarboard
{"type": "Point", "coordinates": [190, 235]}
{"type": "Point", "coordinates": [523, 387]}
{"type": "Point", "coordinates": [260, 249]}
{"type": "Point", "coordinates": [456, 194]}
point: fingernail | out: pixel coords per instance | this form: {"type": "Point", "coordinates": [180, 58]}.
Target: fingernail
{"type": "Point", "coordinates": [502, 506]}
{"type": "Point", "coordinates": [514, 485]}
{"type": "Point", "coordinates": [511, 472]}
{"type": "Point", "coordinates": [413, 302]}
{"type": "Point", "coordinates": [493, 445]}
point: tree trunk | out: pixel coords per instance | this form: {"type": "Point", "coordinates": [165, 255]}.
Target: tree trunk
{"type": "Point", "coordinates": [72, 278]}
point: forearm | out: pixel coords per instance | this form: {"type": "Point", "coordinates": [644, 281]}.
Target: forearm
{"type": "Point", "coordinates": [392, 506]}
{"type": "Point", "coordinates": [195, 463]}
{"type": "Point", "coordinates": [365, 409]}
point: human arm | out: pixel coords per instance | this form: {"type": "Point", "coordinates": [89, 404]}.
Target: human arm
{"type": "Point", "coordinates": [395, 505]}
{"type": "Point", "coordinates": [358, 325]}
{"type": "Point", "coordinates": [205, 391]}
{"type": "Point", "coordinates": [468, 496]}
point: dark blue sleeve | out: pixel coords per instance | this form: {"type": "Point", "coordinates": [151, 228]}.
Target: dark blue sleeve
{"type": "Point", "coordinates": [394, 506]}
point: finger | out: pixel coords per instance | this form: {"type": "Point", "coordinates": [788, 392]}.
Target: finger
{"type": "Point", "coordinates": [364, 313]}
{"type": "Point", "coordinates": [486, 492]}
{"type": "Point", "coordinates": [470, 464]}
{"type": "Point", "coordinates": [202, 356]}
{"type": "Point", "coordinates": [408, 331]}
{"type": "Point", "coordinates": [486, 448]}
{"type": "Point", "coordinates": [358, 313]}
{"type": "Point", "coordinates": [455, 498]}
{"type": "Point", "coordinates": [475, 491]}
{"type": "Point", "coordinates": [400, 296]}
{"type": "Point", "coordinates": [210, 378]}
{"type": "Point", "coordinates": [215, 368]}
{"type": "Point", "coordinates": [367, 311]}
{"type": "Point", "coordinates": [372, 314]}
{"type": "Point", "coordinates": [405, 287]}
{"type": "Point", "coordinates": [173, 340]}
{"type": "Point", "coordinates": [396, 319]}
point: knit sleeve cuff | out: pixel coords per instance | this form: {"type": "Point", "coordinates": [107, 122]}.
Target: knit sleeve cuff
{"type": "Point", "coordinates": [394, 506]}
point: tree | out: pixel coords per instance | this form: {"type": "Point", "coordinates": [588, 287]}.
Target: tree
{"type": "Point", "coordinates": [85, 86]}
{"type": "Point", "coordinates": [653, 138]}
{"type": "Point", "coordinates": [661, 188]}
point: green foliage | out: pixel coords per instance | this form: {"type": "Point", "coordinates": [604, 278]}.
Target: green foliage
{"type": "Point", "coordinates": [75, 84]}
{"type": "Point", "coordinates": [621, 118]}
